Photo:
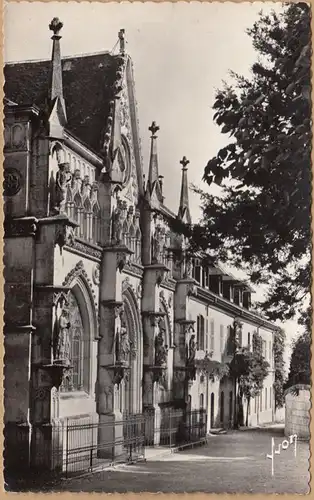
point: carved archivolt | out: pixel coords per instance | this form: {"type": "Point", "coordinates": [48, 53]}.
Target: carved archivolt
{"type": "Point", "coordinates": [79, 271]}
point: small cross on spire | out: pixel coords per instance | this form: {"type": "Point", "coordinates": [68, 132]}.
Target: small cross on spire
{"type": "Point", "coordinates": [56, 25]}
{"type": "Point", "coordinates": [184, 162]}
{"type": "Point", "coordinates": [121, 36]}
{"type": "Point", "coordinates": [153, 128]}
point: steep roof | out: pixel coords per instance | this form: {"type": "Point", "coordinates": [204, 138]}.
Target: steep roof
{"type": "Point", "coordinates": [87, 86]}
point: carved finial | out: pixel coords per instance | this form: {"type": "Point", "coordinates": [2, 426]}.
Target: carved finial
{"type": "Point", "coordinates": [56, 25]}
{"type": "Point", "coordinates": [184, 162]}
{"type": "Point", "coordinates": [121, 36]}
{"type": "Point", "coordinates": [153, 128]}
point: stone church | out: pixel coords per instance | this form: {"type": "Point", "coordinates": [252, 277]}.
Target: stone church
{"type": "Point", "coordinates": [104, 315]}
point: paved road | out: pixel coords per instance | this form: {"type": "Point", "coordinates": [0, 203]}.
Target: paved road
{"type": "Point", "coordinates": [231, 463]}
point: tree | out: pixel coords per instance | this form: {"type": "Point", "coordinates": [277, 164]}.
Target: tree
{"type": "Point", "coordinates": [300, 363]}
{"type": "Point", "coordinates": [214, 370]}
{"type": "Point", "coordinates": [279, 347]}
{"type": "Point", "coordinates": [261, 222]}
{"type": "Point", "coordinates": [249, 370]}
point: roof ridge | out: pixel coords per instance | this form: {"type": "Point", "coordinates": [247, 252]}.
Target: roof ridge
{"type": "Point", "coordinates": [73, 56]}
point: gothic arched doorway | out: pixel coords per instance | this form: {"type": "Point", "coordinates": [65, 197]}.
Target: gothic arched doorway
{"type": "Point", "coordinates": [130, 391]}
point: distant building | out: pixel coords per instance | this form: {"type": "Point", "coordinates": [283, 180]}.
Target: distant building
{"type": "Point", "coordinates": [103, 313]}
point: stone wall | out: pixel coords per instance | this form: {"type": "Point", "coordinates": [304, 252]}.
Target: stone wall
{"type": "Point", "coordinates": [297, 420]}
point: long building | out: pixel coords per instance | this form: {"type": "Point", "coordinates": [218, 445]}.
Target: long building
{"type": "Point", "coordinates": [104, 313]}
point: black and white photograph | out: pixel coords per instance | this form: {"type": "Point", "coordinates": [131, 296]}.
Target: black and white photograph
{"type": "Point", "coordinates": [157, 247]}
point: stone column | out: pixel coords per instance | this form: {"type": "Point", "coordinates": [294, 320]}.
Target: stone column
{"type": "Point", "coordinates": [109, 373]}
{"type": "Point", "coordinates": [19, 251]}
{"type": "Point", "coordinates": [46, 374]}
{"type": "Point", "coordinates": [183, 330]}
{"type": "Point", "coordinates": [153, 276]}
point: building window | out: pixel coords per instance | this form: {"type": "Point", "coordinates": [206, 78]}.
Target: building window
{"type": "Point", "coordinates": [270, 397]}
{"type": "Point", "coordinates": [249, 341]}
{"type": "Point", "coordinates": [200, 332]}
{"type": "Point", "coordinates": [206, 334]}
{"type": "Point", "coordinates": [270, 354]}
{"type": "Point", "coordinates": [201, 401]}
{"type": "Point", "coordinates": [265, 349]}
{"type": "Point", "coordinates": [265, 398]}
{"type": "Point", "coordinates": [255, 404]}
{"type": "Point", "coordinates": [212, 336]}
{"type": "Point", "coordinates": [222, 339]}
{"type": "Point", "coordinates": [197, 271]}
{"type": "Point", "coordinates": [261, 401]}
{"type": "Point", "coordinates": [76, 379]}
{"type": "Point", "coordinates": [230, 341]}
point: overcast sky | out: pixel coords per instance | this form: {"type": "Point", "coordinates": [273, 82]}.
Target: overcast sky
{"type": "Point", "coordinates": [181, 53]}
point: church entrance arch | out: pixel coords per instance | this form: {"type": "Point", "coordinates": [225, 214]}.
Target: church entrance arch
{"type": "Point", "coordinates": [130, 388]}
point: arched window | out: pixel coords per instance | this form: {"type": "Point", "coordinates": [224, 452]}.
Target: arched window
{"type": "Point", "coordinates": [212, 410]}
{"type": "Point", "coordinates": [78, 212]}
{"type": "Point", "coordinates": [96, 224]}
{"type": "Point", "coordinates": [200, 332]}
{"type": "Point", "coordinates": [77, 377]}
{"type": "Point", "coordinates": [201, 401]}
{"type": "Point", "coordinates": [138, 246]}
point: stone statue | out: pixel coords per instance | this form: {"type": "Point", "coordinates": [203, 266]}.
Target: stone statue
{"type": "Point", "coordinates": [63, 179]}
{"type": "Point", "coordinates": [117, 226]}
{"type": "Point", "coordinates": [188, 268]}
{"type": "Point", "coordinates": [161, 351]}
{"type": "Point", "coordinates": [192, 349]}
{"type": "Point", "coordinates": [124, 345]}
{"type": "Point", "coordinates": [63, 338]}
{"type": "Point", "coordinates": [157, 245]}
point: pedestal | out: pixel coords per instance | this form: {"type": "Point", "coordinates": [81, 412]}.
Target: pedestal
{"type": "Point", "coordinates": [110, 436]}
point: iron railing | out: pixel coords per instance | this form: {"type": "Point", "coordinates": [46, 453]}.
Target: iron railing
{"type": "Point", "coordinates": [73, 445]}
{"type": "Point", "coordinates": [174, 427]}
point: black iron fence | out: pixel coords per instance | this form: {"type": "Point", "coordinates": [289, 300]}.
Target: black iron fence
{"type": "Point", "coordinates": [73, 445]}
{"type": "Point", "coordinates": [174, 427]}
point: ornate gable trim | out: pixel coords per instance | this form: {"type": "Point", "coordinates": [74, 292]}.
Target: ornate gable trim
{"type": "Point", "coordinates": [79, 272]}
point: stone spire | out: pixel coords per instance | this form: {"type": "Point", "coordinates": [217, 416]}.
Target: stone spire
{"type": "Point", "coordinates": [153, 162]}
{"type": "Point", "coordinates": [56, 87]}
{"type": "Point", "coordinates": [121, 36]}
{"type": "Point", "coordinates": [184, 208]}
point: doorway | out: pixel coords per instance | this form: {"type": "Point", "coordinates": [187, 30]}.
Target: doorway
{"type": "Point", "coordinates": [212, 410]}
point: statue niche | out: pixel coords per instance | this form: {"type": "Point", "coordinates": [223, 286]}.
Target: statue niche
{"type": "Point", "coordinates": [161, 351]}
{"type": "Point", "coordinates": [122, 343]}
{"type": "Point", "coordinates": [157, 244]}
{"type": "Point", "coordinates": [63, 345]}
{"type": "Point", "coordinates": [191, 369]}
{"type": "Point", "coordinates": [63, 179]}
{"type": "Point", "coordinates": [117, 226]}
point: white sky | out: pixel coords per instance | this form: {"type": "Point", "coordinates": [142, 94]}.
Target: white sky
{"type": "Point", "coordinates": [181, 53]}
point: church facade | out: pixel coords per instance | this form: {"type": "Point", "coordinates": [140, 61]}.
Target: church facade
{"type": "Point", "coordinates": [104, 315]}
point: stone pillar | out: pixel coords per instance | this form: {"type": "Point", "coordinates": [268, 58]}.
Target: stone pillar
{"type": "Point", "coordinates": [19, 253]}
{"type": "Point", "coordinates": [46, 373]}
{"type": "Point", "coordinates": [183, 330]}
{"type": "Point", "coordinates": [110, 373]}
{"type": "Point", "coordinates": [153, 276]}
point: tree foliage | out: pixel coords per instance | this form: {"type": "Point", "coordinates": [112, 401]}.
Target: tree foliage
{"type": "Point", "coordinates": [279, 348]}
{"type": "Point", "coordinates": [214, 370]}
{"type": "Point", "coordinates": [261, 222]}
{"type": "Point", "coordinates": [249, 369]}
{"type": "Point", "coordinates": [300, 362]}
